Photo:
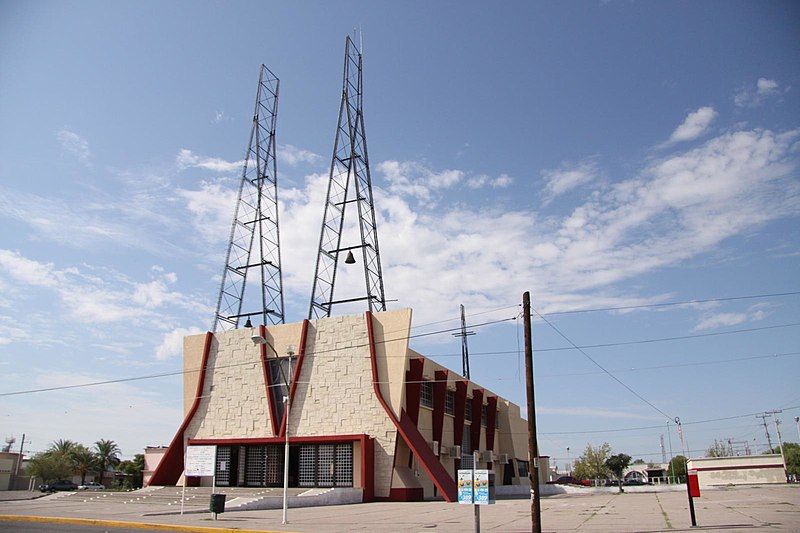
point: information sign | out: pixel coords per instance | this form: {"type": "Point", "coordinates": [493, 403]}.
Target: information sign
{"type": "Point", "coordinates": [482, 487]}
{"type": "Point", "coordinates": [200, 460]}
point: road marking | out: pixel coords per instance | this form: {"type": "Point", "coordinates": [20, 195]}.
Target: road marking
{"type": "Point", "coordinates": [129, 525]}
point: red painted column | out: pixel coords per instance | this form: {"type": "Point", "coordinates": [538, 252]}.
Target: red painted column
{"type": "Point", "coordinates": [477, 410]}
{"type": "Point", "coordinates": [491, 423]}
{"type": "Point", "coordinates": [439, 393]}
{"type": "Point", "coordinates": [458, 422]}
{"type": "Point", "coordinates": [413, 387]}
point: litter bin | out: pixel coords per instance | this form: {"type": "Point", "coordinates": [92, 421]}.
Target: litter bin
{"type": "Point", "coordinates": [217, 504]}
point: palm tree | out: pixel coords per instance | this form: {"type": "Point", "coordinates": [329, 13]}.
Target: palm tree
{"type": "Point", "coordinates": [83, 460]}
{"type": "Point", "coordinates": [62, 446]}
{"type": "Point", "coordinates": [107, 453]}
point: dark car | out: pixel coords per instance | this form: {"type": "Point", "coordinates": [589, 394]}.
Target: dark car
{"type": "Point", "coordinates": [634, 482]}
{"type": "Point", "coordinates": [612, 483]}
{"type": "Point", "coordinates": [61, 484]}
{"type": "Point", "coordinates": [568, 480]}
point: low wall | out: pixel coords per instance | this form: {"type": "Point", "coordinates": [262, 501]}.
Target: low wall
{"type": "Point", "coordinates": [520, 491]}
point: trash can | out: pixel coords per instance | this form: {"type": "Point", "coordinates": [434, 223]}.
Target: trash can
{"type": "Point", "coordinates": [217, 504]}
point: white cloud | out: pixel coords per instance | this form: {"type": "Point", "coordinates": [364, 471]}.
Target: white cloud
{"type": "Point", "coordinates": [75, 144]}
{"type": "Point", "coordinates": [500, 182]}
{"type": "Point", "coordinates": [212, 207]}
{"type": "Point", "coordinates": [567, 177]}
{"type": "Point", "coordinates": [695, 124]}
{"type": "Point", "coordinates": [716, 320]}
{"type": "Point", "coordinates": [750, 96]}
{"type": "Point", "coordinates": [416, 180]}
{"type": "Point", "coordinates": [293, 156]}
{"type": "Point", "coordinates": [172, 344]}
{"type": "Point", "coordinates": [676, 208]}
{"type": "Point", "coordinates": [92, 299]}
{"type": "Point", "coordinates": [188, 159]}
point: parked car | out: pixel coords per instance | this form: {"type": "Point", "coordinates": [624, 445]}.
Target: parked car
{"type": "Point", "coordinates": [634, 482]}
{"type": "Point", "coordinates": [569, 480]}
{"type": "Point", "coordinates": [61, 484]}
{"type": "Point", "coordinates": [92, 485]}
{"type": "Point", "coordinates": [612, 483]}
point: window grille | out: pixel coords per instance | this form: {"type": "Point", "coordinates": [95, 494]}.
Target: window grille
{"type": "Point", "coordinates": [325, 465]}
{"type": "Point", "coordinates": [450, 403]}
{"type": "Point", "coordinates": [522, 466]}
{"type": "Point", "coordinates": [223, 466]}
{"type": "Point", "coordinates": [344, 465]}
{"type": "Point", "coordinates": [308, 466]}
{"type": "Point", "coordinates": [485, 416]}
{"type": "Point", "coordinates": [426, 394]}
{"type": "Point", "coordinates": [254, 471]}
{"type": "Point", "coordinates": [468, 410]}
{"type": "Point", "coordinates": [273, 468]}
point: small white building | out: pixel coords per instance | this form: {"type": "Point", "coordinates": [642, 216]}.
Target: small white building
{"type": "Point", "coordinates": [740, 470]}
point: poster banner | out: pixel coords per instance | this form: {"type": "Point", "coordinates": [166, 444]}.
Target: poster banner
{"type": "Point", "coordinates": [200, 460]}
{"type": "Point", "coordinates": [482, 487]}
{"type": "Point", "coordinates": [465, 486]}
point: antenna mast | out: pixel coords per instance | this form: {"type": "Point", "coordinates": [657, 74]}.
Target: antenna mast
{"type": "Point", "coordinates": [349, 163]}
{"type": "Point", "coordinates": [254, 243]}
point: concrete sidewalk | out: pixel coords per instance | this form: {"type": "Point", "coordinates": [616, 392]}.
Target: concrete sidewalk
{"type": "Point", "coordinates": [757, 508]}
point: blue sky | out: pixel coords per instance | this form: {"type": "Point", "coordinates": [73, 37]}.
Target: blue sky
{"type": "Point", "coordinates": [598, 154]}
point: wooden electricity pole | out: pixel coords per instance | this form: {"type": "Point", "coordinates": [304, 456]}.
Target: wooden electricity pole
{"type": "Point", "coordinates": [533, 447]}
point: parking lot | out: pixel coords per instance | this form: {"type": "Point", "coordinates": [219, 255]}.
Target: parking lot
{"type": "Point", "coordinates": [756, 508]}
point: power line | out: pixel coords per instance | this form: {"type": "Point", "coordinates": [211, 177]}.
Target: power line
{"type": "Point", "coordinates": [601, 367]}
{"type": "Point", "coordinates": [181, 372]}
{"type": "Point", "coordinates": [667, 304]}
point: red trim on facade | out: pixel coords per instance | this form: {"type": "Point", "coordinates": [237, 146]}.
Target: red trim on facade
{"type": "Point", "coordinates": [413, 388]}
{"type": "Point", "coordinates": [301, 353]}
{"type": "Point", "coordinates": [368, 468]}
{"type": "Point", "coordinates": [742, 467]}
{"type": "Point", "coordinates": [408, 430]}
{"type": "Point", "coordinates": [477, 415]}
{"type": "Point", "coordinates": [491, 423]}
{"type": "Point", "coordinates": [273, 412]}
{"type": "Point", "coordinates": [460, 406]}
{"type": "Point", "coordinates": [439, 393]}
{"type": "Point", "coordinates": [170, 467]}
{"type": "Point", "coordinates": [405, 494]}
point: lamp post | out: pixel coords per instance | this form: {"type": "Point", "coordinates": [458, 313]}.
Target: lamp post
{"type": "Point", "coordinates": [287, 402]}
{"type": "Point", "coordinates": [797, 422]}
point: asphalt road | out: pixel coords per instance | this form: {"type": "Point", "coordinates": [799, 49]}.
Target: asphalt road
{"type": "Point", "coordinates": [31, 527]}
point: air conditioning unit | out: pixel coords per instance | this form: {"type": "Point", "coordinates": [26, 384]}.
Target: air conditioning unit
{"type": "Point", "coordinates": [455, 451]}
{"type": "Point", "coordinates": [434, 447]}
{"type": "Point", "coordinates": [486, 456]}
{"type": "Point", "coordinates": [503, 458]}
{"type": "Point", "coordinates": [445, 450]}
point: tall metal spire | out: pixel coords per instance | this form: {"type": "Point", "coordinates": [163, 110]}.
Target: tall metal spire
{"type": "Point", "coordinates": [464, 345]}
{"type": "Point", "coordinates": [254, 244]}
{"type": "Point", "coordinates": [349, 170]}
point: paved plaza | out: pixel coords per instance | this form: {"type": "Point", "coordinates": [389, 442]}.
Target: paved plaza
{"type": "Point", "coordinates": [754, 508]}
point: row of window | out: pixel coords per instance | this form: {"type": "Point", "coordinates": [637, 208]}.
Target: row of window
{"type": "Point", "coordinates": [426, 400]}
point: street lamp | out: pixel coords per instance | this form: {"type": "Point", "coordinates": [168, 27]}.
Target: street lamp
{"type": "Point", "coordinates": [287, 405]}
{"type": "Point", "coordinates": [797, 421]}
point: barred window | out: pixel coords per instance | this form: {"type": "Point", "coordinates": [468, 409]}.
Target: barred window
{"type": "Point", "coordinates": [450, 403]}
{"type": "Point", "coordinates": [485, 416]}
{"type": "Point", "coordinates": [468, 413]}
{"type": "Point", "coordinates": [426, 394]}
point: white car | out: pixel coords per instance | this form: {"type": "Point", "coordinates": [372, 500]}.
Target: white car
{"type": "Point", "coordinates": [92, 485]}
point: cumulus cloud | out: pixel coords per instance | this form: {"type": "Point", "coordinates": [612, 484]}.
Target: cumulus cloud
{"type": "Point", "coordinates": [212, 207]}
{"type": "Point", "coordinates": [172, 344]}
{"type": "Point", "coordinates": [500, 182]}
{"type": "Point", "coordinates": [188, 159]}
{"type": "Point", "coordinates": [74, 144]}
{"type": "Point", "coordinates": [567, 177]}
{"type": "Point", "coordinates": [695, 124]}
{"type": "Point", "coordinates": [754, 96]}
{"type": "Point", "coordinates": [717, 320]}
{"type": "Point", "coordinates": [416, 180]}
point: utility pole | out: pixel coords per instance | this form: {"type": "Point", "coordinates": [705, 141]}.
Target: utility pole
{"type": "Point", "coordinates": [663, 452]}
{"type": "Point", "coordinates": [19, 459]}
{"type": "Point", "coordinates": [464, 347]}
{"type": "Point", "coordinates": [763, 418]}
{"type": "Point", "coordinates": [533, 447]}
{"type": "Point", "coordinates": [780, 440]}
{"type": "Point", "coordinates": [797, 422]}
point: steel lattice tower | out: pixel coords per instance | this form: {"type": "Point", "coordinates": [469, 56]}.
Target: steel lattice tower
{"type": "Point", "coordinates": [255, 237]}
{"type": "Point", "coordinates": [349, 163]}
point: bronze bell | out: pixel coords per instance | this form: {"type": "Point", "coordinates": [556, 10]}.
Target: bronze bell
{"type": "Point", "coordinates": [350, 259]}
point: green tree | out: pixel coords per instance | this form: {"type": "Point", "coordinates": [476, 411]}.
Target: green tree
{"type": "Point", "coordinates": [133, 469]}
{"type": "Point", "coordinates": [50, 466]}
{"type": "Point", "coordinates": [107, 453]}
{"type": "Point", "coordinates": [791, 451]}
{"type": "Point", "coordinates": [677, 467]}
{"type": "Point", "coordinates": [617, 464]}
{"type": "Point", "coordinates": [62, 446]}
{"type": "Point", "coordinates": [639, 461]}
{"type": "Point", "coordinates": [83, 461]}
{"type": "Point", "coordinates": [592, 464]}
